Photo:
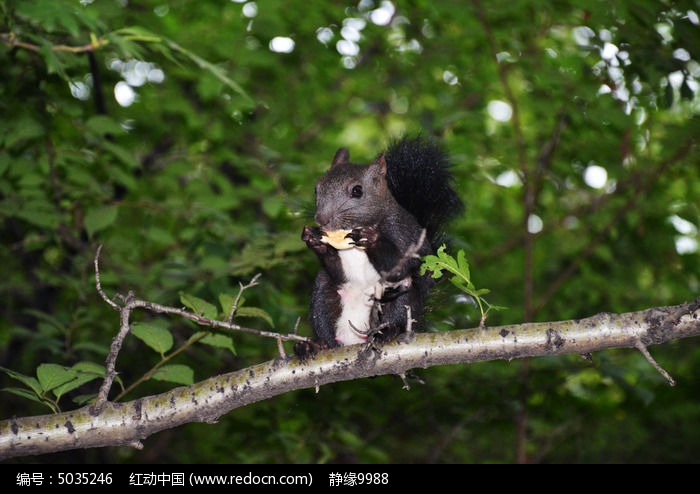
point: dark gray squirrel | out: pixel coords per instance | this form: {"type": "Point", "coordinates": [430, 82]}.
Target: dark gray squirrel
{"type": "Point", "coordinates": [361, 293]}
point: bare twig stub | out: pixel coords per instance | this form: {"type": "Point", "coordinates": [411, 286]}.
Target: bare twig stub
{"type": "Point", "coordinates": [643, 349]}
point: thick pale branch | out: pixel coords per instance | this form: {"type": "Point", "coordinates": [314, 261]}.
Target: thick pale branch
{"type": "Point", "coordinates": [130, 423]}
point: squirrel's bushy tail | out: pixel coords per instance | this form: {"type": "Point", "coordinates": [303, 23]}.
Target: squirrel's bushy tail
{"type": "Point", "coordinates": [419, 177]}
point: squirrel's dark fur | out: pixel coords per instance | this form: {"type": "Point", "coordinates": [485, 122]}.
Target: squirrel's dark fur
{"type": "Point", "coordinates": [364, 291]}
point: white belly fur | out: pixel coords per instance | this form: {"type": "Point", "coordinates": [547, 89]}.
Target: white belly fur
{"type": "Point", "coordinates": [355, 296]}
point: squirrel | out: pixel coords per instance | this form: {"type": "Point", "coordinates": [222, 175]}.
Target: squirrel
{"type": "Point", "coordinates": [393, 211]}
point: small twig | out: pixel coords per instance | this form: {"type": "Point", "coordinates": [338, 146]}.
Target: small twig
{"type": "Point", "coordinates": [280, 348]}
{"type": "Point", "coordinates": [214, 323]}
{"type": "Point", "coordinates": [411, 253]}
{"type": "Point", "coordinates": [234, 308]}
{"type": "Point", "coordinates": [114, 349]}
{"type": "Point", "coordinates": [643, 349]}
{"type": "Point", "coordinates": [397, 272]}
{"type": "Point", "coordinates": [409, 321]}
{"type": "Point", "coordinates": [98, 283]}
{"type": "Point", "coordinates": [10, 39]}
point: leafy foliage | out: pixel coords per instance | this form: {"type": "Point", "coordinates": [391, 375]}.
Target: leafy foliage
{"type": "Point", "coordinates": [54, 380]}
{"type": "Point", "coordinates": [186, 137]}
{"type": "Point", "coordinates": [461, 276]}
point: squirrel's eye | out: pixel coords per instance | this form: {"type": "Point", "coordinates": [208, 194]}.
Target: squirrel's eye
{"type": "Point", "coordinates": [356, 191]}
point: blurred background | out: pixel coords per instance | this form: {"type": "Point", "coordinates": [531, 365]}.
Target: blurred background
{"type": "Point", "coordinates": [185, 137]}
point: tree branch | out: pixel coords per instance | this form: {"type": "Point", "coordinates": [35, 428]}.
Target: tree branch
{"type": "Point", "coordinates": [131, 302]}
{"type": "Point", "coordinates": [130, 423]}
{"type": "Point", "coordinates": [11, 40]}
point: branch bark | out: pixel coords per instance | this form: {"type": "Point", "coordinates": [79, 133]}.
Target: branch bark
{"type": "Point", "coordinates": [130, 423]}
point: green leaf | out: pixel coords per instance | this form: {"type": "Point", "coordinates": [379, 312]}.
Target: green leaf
{"type": "Point", "coordinates": [24, 393]}
{"type": "Point", "coordinates": [92, 347]}
{"type": "Point", "coordinates": [273, 206]}
{"type": "Point", "coordinates": [84, 399]}
{"type": "Point", "coordinates": [160, 236]}
{"type": "Point", "coordinates": [85, 372]}
{"type": "Point", "coordinates": [52, 376]}
{"type": "Point", "coordinates": [39, 214]}
{"type": "Point", "coordinates": [214, 70]}
{"type": "Point", "coordinates": [199, 306]}
{"type": "Point", "coordinates": [28, 381]}
{"type": "Point", "coordinates": [226, 302]}
{"type": "Point", "coordinates": [54, 64]}
{"type": "Point", "coordinates": [80, 379]}
{"type": "Point", "coordinates": [52, 15]}
{"type": "Point", "coordinates": [100, 218]}
{"type": "Point", "coordinates": [124, 36]}
{"type": "Point", "coordinates": [180, 374]}
{"type": "Point", "coordinates": [5, 162]}
{"type": "Point", "coordinates": [50, 319]}
{"type": "Point", "coordinates": [103, 125]}
{"type": "Point", "coordinates": [23, 129]}
{"type": "Point", "coordinates": [461, 276]}
{"type": "Point", "coordinates": [90, 368]}
{"type": "Point", "coordinates": [124, 178]}
{"type": "Point", "coordinates": [219, 341]}
{"type": "Point", "coordinates": [122, 154]}
{"type": "Point", "coordinates": [153, 335]}
{"type": "Point", "coordinates": [137, 33]}
{"type": "Point", "coordinates": [463, 265]}
{"type": "Point", "coordinates": [255, 312]}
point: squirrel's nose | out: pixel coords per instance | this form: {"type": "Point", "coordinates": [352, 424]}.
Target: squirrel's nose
{"type": "Point", "coordinates": [321, 219]}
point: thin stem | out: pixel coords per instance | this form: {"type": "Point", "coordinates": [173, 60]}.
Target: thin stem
{"type": "Point", "coordinates": [10, 39]}
{"type": "Point", "coordinates": [98, 283]}
{"type": "Point", "coordinates": [253, 282]}
{"type": "Point", "coordinates": [194, 339]}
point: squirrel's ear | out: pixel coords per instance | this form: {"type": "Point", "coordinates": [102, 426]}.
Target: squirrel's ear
{"type": "Point", "coordinates": [341, 157]}
{"type": "Point", "coordinates": [381, 163]}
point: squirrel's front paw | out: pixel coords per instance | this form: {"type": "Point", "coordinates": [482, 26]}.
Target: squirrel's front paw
{"type": "Point", "coordinates": [312, 236]}
{"type": "Point", "coordinates": [365, 236]}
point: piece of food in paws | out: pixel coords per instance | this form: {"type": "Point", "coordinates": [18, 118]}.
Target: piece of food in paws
{"type": "Point", "coordinates": [338, 239]}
